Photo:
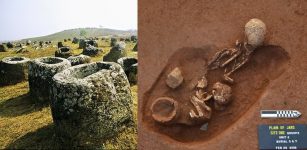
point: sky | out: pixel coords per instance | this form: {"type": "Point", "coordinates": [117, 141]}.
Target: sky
{"type": "Point", "coordinates": [21, 19]}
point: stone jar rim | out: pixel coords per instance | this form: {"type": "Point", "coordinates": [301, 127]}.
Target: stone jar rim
{"type": "Point", "coordinates": [15, 60]}
{"type": "Point", "coordinates": [71, 76]}
{"type": "Point", "coordinates": [42, 61]}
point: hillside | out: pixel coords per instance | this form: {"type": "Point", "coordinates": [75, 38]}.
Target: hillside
{"type": "Point", "coordinates": [89, 32]}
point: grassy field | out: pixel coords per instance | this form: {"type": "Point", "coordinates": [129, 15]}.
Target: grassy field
{"type": "Point", "coordinates": [25, 125]}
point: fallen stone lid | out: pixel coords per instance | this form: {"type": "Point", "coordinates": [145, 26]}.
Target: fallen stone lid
{"type": "Point", "coordinates": [15, 60]}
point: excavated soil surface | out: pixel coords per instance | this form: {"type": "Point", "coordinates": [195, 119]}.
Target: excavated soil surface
{"type": "Point", "coordinates": [266, 64]}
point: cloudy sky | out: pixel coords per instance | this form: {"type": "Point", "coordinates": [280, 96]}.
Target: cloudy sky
{"type": "Point", "coordinates": [30, 18]}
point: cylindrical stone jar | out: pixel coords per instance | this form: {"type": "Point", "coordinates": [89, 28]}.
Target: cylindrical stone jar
{"type": "Point", "coordinates": [13, 70]}
{"type": "Point", "coordinates": [129, 65]}
{"type": "Point", "coordinates": [90, 103]}
{"type": "Point", "coordinates": [63, 52]}
{"type": "Point", "coordinates": [41, 71]}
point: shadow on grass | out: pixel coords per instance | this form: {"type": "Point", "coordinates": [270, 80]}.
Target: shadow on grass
{"type": "Point", "coordinates": [21, 105]}
{"type": "Point", "coordinates": [43, 138]}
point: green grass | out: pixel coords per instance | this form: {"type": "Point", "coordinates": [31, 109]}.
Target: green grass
{"type": "Point", "coordinates": [25, 125]}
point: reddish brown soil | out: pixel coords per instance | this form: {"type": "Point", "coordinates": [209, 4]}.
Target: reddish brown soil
{"type": "Point", "coordinates": [187, 33]}
{"type": "Point", "coordinates": [266, 64]}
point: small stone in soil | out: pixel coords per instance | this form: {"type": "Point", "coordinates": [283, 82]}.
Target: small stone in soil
{"type": "Point", "coordinates": [204, 127]}
{"type": "Point", "coordinates": [174, 79]}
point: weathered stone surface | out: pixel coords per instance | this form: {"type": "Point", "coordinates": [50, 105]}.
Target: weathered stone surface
{"type": "Point", "coordinates": [2, 48]}
{"type": "Point", "coordinates": [65, 40]}
{"type": "Point", "coordinates": [28, 42]}
{"type": "Point", "coordinates": [133, 38]}
{"type": "Point", "coordinates": [18, 45]}
{"type": "Point", "coordinates": [116, 52]}
{"type": "Point", "coordinates": [128, 40]}
{"type": "Point", "coordinates": [63, 52]}
{"type": "Point", "coordinates": [129, 64]}
{"type": "Point", "coordinates": [91, 50]}
{"type": "Point", "coordinates": [83, 43]}
{"type": "Point", "coordinates": [90, 102]}
{"type": "Point", "coordinates": [41, 71]}
{"type": "Point", "coordinates": [22, 49]}
{"type": "Point", "coordinates": [174, 78]}
{"type": "Point", "coordinates": [60, 44]}
{"type": "Point", "coordinates": [13, 70]}
{"type": "Point", "coordinates": [41, 43]}
{"type": "Point", "coordinates": [80, 59]}
{"type": "Point", "coordinates": [133, 73]}
{"type": "Point", "coordinates": [113, 42]}
{"type": "Point", "coordinates": [9, 45]}
{"type": "Point", "coordinates": [75, 40]}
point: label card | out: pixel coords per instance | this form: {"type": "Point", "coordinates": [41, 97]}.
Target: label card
{"type": "Point", "coordinates": [282, 136]}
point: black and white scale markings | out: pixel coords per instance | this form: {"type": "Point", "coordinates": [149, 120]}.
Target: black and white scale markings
{"type": "Point", "coordinates": [280, 114]}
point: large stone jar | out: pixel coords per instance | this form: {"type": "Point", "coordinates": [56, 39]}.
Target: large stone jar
{"type": "Point", "coordinates": [129, 64]}
{"type": "Point", "coordinates": [41, 71]}
{"type": "Point", "coordinates": [13, 70]}
{"type": "Point", "coordinates": [90, 102]}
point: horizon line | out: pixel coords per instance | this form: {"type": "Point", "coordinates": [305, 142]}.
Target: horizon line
{"type": "Point", "coordinates": [65, 30]}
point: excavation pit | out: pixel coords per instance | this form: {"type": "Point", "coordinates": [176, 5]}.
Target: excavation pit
{"type": "Point", "coordinates": [266, 65]}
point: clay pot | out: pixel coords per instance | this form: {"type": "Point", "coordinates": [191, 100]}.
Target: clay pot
{"type": "Point", "coordinates": [166, 110]}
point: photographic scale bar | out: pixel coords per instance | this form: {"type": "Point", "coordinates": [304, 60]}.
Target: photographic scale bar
{"type": "Point", "coordinates": [280, 114]}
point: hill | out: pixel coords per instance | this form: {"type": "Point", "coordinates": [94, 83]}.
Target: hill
{"type": "Point", "coordinates": [88, 32]}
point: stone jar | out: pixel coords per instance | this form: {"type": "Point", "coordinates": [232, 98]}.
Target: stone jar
{"type": "Point", "coordinates": [13, 70]}
{"type": "Point", "coordinates": [63, 52]}
{"type": "Point", "coordinates": [129, 64]}
{"type": "Point", "coordinates": [80, 59]}
{"type": "Point", "coordinates": [90, 103]}
{"type": "Point", "coordinates": [116, 52]}
{"type": "Point", "coordinates": [41, 71]}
